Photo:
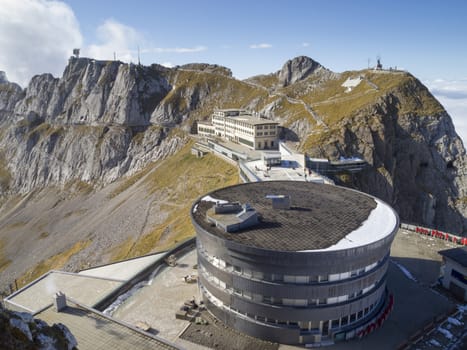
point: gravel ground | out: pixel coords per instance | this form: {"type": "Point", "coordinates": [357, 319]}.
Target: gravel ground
{"type": "Point", "coordinates": [49, 222]}
{"type": "Point", "coordinates": [157, 303]}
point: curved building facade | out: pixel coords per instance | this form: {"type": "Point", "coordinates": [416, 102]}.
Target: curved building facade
{"type": "Point", "coordinates": [294, 262]}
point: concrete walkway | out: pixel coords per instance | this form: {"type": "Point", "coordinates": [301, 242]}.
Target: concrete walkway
{"type": "Point", "coordinates": [157, 302]}
{"type": "Point", "coordinates": [123, 271]}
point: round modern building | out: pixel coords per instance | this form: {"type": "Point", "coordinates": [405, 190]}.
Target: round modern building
{"type": "Point", "coordinates": [294, 262]}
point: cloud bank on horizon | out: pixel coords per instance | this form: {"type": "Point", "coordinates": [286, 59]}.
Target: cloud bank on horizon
{"type": "Point", "coordinates": [453, 96]}
{"type": "Point", "coordinates": [29, 49]}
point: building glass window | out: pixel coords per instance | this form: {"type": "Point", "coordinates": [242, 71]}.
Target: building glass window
{"type": "Point", "coordinates": [459, 276]}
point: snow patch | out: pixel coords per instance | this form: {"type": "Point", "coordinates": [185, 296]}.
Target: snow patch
{"type": "Point", "coordinates": [405, 271]}
{"type": "Point", "coordinates": [455, 321]}
{"type": "Point", "coordinates": [210, 199]}
{"type": "Point", "coordinates": [123, 297]}
{"type": "Point", "coordinates": [380, 223]}
{"type": "Point", "coordinates": [445, 332]}
{"type": "Point", "coordinates": [435, 342]}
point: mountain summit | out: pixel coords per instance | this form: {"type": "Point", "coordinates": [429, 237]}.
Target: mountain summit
{"type": "Point", "coordinates": [105, 126]}
{"type": "Point", "coordinates": [298, 69]}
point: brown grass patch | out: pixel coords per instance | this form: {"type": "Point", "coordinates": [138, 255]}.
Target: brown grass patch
{"type": "Point", "coordinates": [4, 261]}
{"type": "Point", "coordinates": [184, 177]}
{"type": "Point", "coordinates": [54, 262]}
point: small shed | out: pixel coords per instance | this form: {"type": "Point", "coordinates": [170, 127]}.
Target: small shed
{"type": "Point", "coordinates": [271, 158]}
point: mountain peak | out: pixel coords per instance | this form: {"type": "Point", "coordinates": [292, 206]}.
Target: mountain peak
{"type": "Point", "coordinates": [297, 69]}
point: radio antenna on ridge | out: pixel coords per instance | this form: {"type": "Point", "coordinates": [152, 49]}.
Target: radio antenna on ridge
{"type": "Point", "coordinates": [139, 61]}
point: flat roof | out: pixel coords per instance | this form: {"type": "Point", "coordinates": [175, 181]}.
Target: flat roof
{"type": "Point", "coordinates": [459, 255]}
{"type": "Point", "coordinates": [93, 330]}
{"type": "Point", "coordinates": [123, 270]}
{"type": "Point", "coordinates": [89, 286]}
{"type": "Point", "coordinates": [251, 120]}
{"type": "Point", "coordinates": [321, 217]}
{"type": "Point", "coordinates": [204, 122]}
{"type": "Point", "coordinates": [39, 293]}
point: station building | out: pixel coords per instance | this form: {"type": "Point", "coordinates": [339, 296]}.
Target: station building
{"type": "Point", "coordinates": [294, 262]}
{"type": "Point", "coordinates": [454, 271]}
{"type": "Point", "coordinates": [240, 126]}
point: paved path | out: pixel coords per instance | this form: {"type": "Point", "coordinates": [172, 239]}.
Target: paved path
{"type": "Point", "coordinates": [157, 303]}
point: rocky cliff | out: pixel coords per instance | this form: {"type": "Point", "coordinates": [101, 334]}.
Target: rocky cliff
{"type": "Point", "coordinates": [106, 120]}
{"type": "Point", "coordinates": [20, 331]}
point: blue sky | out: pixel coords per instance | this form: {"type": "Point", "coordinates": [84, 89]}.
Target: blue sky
{"type": "Point", "coordinates": [428, 38]}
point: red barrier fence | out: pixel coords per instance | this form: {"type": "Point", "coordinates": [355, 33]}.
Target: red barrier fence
{"type": "Point", "coordinates": [378, 321]}
{"type": "Point", "coordinates": [437, 234]}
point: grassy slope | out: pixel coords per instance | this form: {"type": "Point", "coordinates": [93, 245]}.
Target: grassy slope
{"type": "Point", "coordinates": [4, 262]}
{"type": "Point", "coordinates": [179, 179]}
{"type": "Point", "coordinates": [224, 92]}
{"type": "Point", "coordinates": [54, 262]}
{"type": "Point", "coordinates": [333, 104]}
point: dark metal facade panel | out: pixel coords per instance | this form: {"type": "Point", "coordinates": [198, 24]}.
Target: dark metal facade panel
{"type": "Point", "coordinates": [268, 261]}
{"type": "Point", "coordinates": [222, 295]}
{"type": "Point", "coordinates": [296, 314]}
{"type": "Point", "coordinates": [271, 332]}
{"type": "Point", "coordinates": [252, 281]}
{"type": "Point", "coordinates": [304, 291]}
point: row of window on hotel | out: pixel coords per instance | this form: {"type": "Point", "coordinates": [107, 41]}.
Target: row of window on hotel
{"type": "Point", "coordinates": [281, 301]}
{"type": "Point", "coordinates": [237, 125]}
{"type": "Point", "coordinates": [305, 326]}
{"type": "Point", "coordinates": [296, 279]}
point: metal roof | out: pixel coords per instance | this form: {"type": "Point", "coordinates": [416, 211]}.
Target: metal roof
{"type": "Point", "coordinates": [93, 330]}
{"type": "Point", "coordinates": [459, 255]}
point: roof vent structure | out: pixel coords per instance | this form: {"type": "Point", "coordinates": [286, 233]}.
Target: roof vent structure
{"type": "Point", "coordinates": [280, 201]}
{"type": "Point", "coordinates": [59, 301]}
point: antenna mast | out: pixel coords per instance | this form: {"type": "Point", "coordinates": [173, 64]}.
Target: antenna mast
{"type": "Point", "coordinates": [139, 61]}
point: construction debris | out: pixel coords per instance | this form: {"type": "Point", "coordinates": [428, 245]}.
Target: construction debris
{"type": "Point", "coordinates": [171, 260]}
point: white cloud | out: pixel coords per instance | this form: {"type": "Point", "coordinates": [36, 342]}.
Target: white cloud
{"type": "Point", "coordinates": [175, 49]}
{"type": "Point", "coordinates": [453, 96]}
{"type": "Point", "coordinates": [37, 36]}
{"type": "Point", "coordinates": [305, 44]}
{"type": "Point", "coordinates": [260, 46]}
{"type": "Point", "coordinates": [115, 38]}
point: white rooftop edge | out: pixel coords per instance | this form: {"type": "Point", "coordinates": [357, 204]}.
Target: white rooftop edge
{"type": "Point", "coordinates": [380, 223]}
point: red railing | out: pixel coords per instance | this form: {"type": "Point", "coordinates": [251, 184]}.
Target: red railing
{"type": "Point", "coordinates": [442, 235]}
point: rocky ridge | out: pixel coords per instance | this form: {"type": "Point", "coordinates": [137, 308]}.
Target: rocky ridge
{"type": "Point", "coordinates": [106, 119]}
{"type": "Point", "coordinates": [106, 122]}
